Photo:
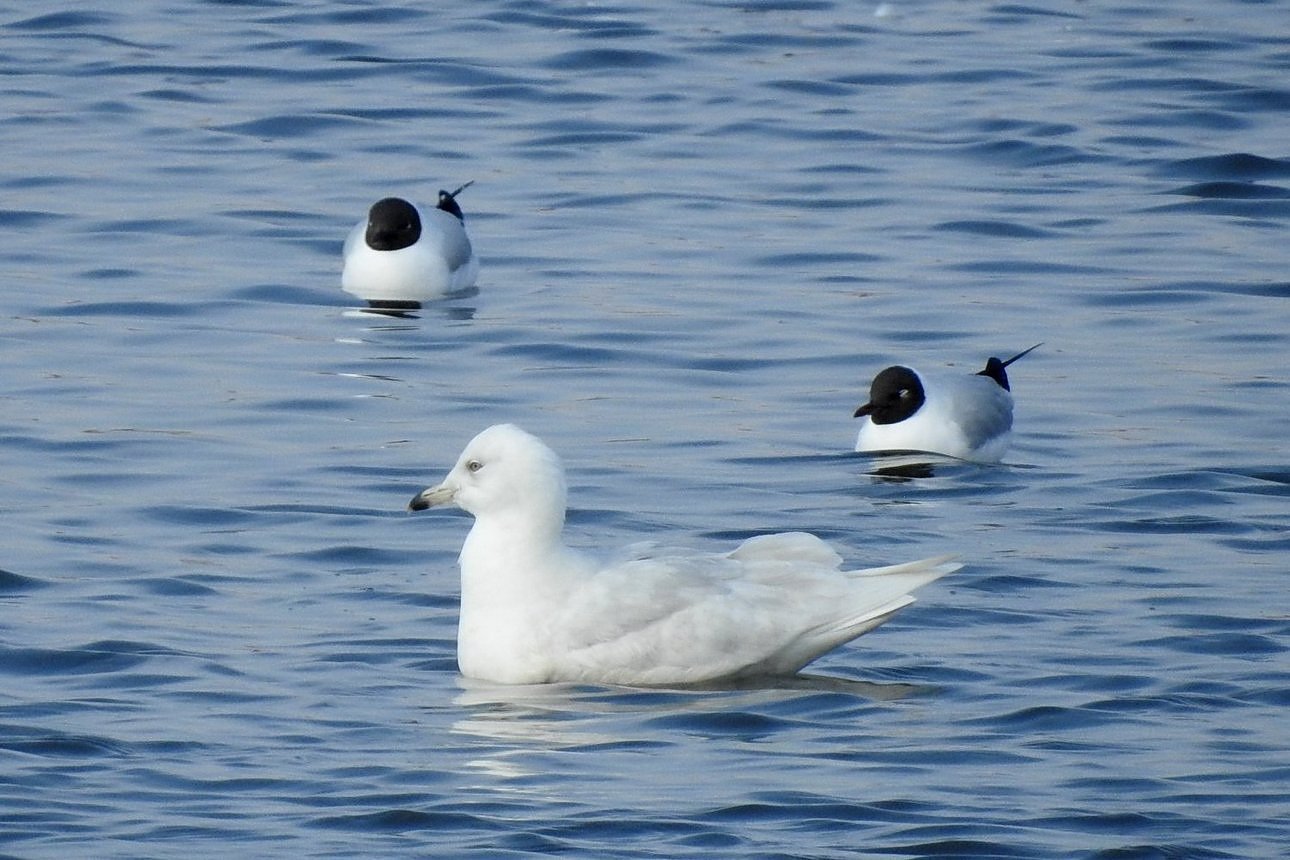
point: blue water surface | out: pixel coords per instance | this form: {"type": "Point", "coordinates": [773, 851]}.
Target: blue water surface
{"type": "Point", "coordinates": [703, 228]}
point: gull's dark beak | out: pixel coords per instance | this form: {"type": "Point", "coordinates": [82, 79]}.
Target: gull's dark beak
{"type": "Point", "coordinates": [433, 497]}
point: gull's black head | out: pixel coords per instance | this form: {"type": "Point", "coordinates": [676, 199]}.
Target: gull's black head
{"type": "Point", "coordinates": [896, 394]}
{"type": "Point", "coordinates": [392, 224]}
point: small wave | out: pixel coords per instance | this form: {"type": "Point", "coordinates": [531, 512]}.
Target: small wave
{"type": "Point", "coordinates": [604, 59]}
{"type": "Point", "coordinates": [15, 583]}
{"type": "Point", "coordinates": [1233, 167]}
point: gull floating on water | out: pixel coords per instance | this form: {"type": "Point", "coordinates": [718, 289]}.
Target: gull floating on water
{"type": "Point", "coordinates": [536, 611]}
{"type": "Point", "coordinates": [964, 416]}
{"type": "Point", "coordinates": [401, 256]}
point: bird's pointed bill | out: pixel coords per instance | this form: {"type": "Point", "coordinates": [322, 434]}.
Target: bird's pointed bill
{"type": "Point", "coordinates": [432, 497]}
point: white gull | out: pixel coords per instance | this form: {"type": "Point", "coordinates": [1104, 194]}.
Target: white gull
{"type": "Point", "coordinates": [536, 611]}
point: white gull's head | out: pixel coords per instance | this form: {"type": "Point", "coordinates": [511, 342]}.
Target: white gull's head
{"type": "Point", "coordinates": [502, 471]}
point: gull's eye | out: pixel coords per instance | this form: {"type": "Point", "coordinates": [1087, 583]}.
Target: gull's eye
{"type": "Point", "coordinates": [474, 466]}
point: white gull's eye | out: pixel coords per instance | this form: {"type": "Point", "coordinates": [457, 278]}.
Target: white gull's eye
{"type": "Point", "coordinates": [474, 465]}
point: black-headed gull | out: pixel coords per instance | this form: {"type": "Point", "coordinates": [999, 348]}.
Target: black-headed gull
{"type": "Point", "coordinates": [968, 416]}
{"type": "Point", "coordinates": [402, 255]}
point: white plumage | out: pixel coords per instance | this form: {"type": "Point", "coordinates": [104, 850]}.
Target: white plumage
{"type": "Point", "coordinates": [402, 255]}
{"type": "Point", "coordinates": [534, 610]}
{"type": "Point", "coordinates": [968, 416]}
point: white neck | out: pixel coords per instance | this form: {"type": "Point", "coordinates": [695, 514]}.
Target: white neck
{"type": "Point", "coordinates": [513, 570]}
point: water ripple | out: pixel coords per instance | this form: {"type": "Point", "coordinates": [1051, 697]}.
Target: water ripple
{"type": "Point", "coordinates": [701, 226]}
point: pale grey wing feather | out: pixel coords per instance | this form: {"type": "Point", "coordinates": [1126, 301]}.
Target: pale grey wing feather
{"type": "Point", "coordinates": [356, 235]}
{"type": "Point", "coordinates": [454, 244]}
{"type": "Point", "coordinates": [981, 408]}
{"type": "Point", "coordinates": [798, 547]}
{"type": "Point", "coordinates": [760, 609]}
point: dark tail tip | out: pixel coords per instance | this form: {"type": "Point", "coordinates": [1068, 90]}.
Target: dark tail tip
{"type": "Point", "coordinates": [994, 368]}
{"type": "Point", "coordinates": [448, 201]}
{"type": "Point", "coordinates": [1022, 354]}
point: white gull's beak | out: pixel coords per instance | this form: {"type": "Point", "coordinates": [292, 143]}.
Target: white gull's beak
{"type": "Point", "coordinates": [434, 496]}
